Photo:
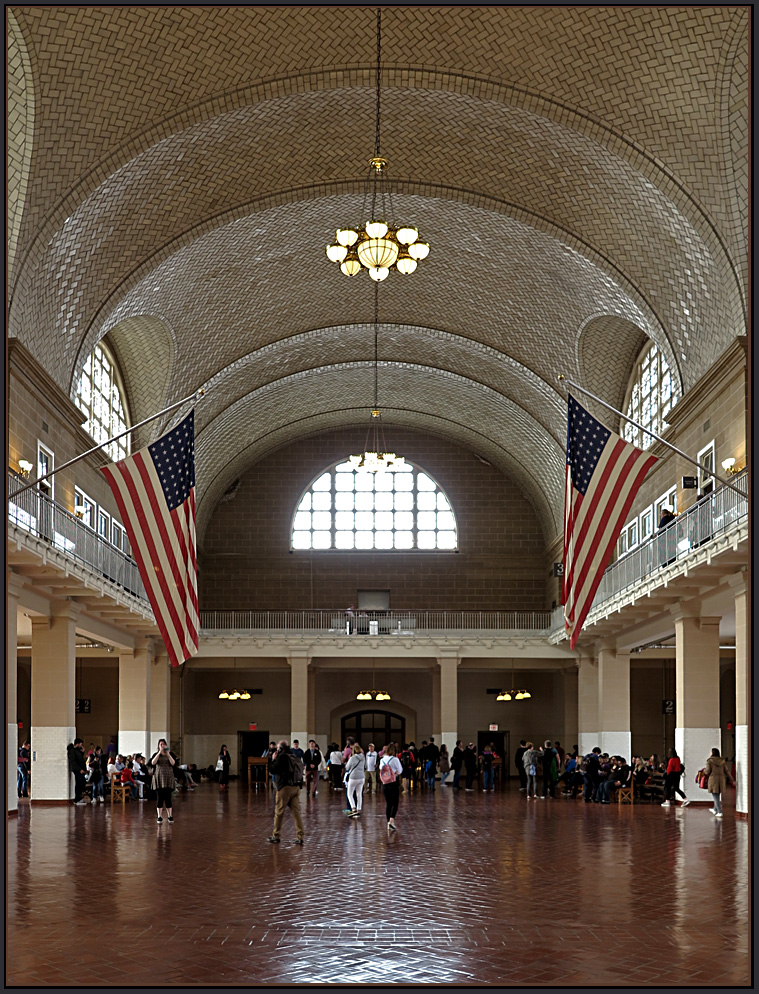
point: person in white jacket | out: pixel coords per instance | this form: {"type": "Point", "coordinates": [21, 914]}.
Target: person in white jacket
{"type": "Point", "coordinates": [370, 780]}
{"type": "Point", "coordinates": [353, 776]}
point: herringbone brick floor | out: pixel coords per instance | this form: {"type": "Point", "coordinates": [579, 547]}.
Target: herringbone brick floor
{"type": "Point", "coordinates": [472, 890]}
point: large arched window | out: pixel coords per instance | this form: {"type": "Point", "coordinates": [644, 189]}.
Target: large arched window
{"type": "Point", "coordinates": [99, 395]}
{"type": "Point", "coordinates": [403, 509]}
{"type": "Point", "coordinates": [652, 396]}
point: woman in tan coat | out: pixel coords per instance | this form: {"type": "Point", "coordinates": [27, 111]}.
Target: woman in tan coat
{"type": "Point", "coordinates": [716, 771]}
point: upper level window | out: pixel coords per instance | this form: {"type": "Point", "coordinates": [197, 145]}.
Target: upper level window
{"type": "Point", "coordinates": [99, 395]}
{"type": "Point", "coordinates": [403, 508]}
{"type": "Point", "coordinates": [652, 397]}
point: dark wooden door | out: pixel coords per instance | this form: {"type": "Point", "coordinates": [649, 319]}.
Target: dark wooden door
{"type": "Point", "coordinates": [379, 727]}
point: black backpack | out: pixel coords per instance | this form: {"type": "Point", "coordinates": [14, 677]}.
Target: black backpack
{"type": "Point", "coordinates": [296, 771]}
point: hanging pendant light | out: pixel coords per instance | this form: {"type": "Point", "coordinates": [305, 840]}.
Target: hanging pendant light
{"type": "Point", "coordinates": [378, 245]}
{"type": "Point", "coordinates": [516, 695]}
{"type": "Point", "coordinates": [375, 695]}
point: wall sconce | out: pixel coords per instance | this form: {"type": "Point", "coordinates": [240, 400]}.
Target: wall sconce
{"type": "Point", "coordinates": [727, 464]}
{"type": "Point", "coordinates": [25, 467]}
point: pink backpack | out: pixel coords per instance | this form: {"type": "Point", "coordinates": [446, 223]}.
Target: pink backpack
{"type": "Point", "coordinates": [387, 773]}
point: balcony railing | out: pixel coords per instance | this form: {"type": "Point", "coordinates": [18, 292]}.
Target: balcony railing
{"type": "Point", "coordinates": [711, 517]}
{"type": "Point", "coordinates": [391, 623]}
{"type": "Point", "coordinates": [38, 515]}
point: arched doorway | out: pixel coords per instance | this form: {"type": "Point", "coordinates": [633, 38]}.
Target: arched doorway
{"type": "Point", "coordinates": [374, 726]}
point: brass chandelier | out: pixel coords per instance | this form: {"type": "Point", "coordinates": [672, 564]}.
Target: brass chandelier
{"type": "Point", "coordinates": [380, 244]}
{"type": "Point", "coordinates": [517, 695]}
{"type": "Point", "coordinates": [377, 458]}
{"type": "Point", "coordinates": [372, 695]}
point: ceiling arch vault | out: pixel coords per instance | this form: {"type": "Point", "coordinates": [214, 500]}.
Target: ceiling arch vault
{"type": "Point", "coordinates": [580, 173]}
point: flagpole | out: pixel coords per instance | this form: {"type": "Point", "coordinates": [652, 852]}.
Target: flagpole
{"type": "Point", "coordinates": [705, 469]}
{"type": "Point", "coordinates": [197, 395]}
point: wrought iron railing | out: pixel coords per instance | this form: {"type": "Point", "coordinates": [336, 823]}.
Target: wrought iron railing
{"type": "Point", "coordinates": [38, 515]}
{"type": "Point", "coordinates": [335, 622]}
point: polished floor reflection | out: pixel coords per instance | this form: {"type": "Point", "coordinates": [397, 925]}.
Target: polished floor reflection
{"type": "Point", "coordinates": [472, 890]}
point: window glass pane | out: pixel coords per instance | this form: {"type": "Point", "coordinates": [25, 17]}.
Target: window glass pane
{"type": "Point", "coordinates": [383, 540]}
{"type": "Point", "coordinates": [404, 540]}
{"type": "Point", "coordinates": [384, 481]}
{"type": "Point", "coordinates": [442, 502]}
{"type": "Point", "coordinates": [305, 504]}
{"type": "Point", "coordinates": [365, 540]}
{"type": "Point", "coordinates": [302, 520]}
{"type": "Point", "coordinates": [426, 520]}
{"type": "Point", "coordinates": [322, 501]}
{"type": "Point", "coordinates": [383, 520]}
{"type": "Point", "coordinates": [446, 540]}
{"type": "Point", "coordinates": [344, 467]}
{"type": "Point", "coordinates": [403, 502]}
{"type": "Point", "coordinates": [423, 482]}
{"type": "Point", "coordinates": [383, 502]}
{"type": "Point", "coordinates": [404, 520]}
{"type": "Point", "coordinates": [426, 501]}
{"type": "Point", "coordinates": [426, 540]}
{"type": "Point", "coordinates": [322, 540]}
{"type": "Point", "coordinates": [324, 482]}
{"type": "Point", "coordinates": [364, 520]}
{"type": "Point", "coordinates": [364, 481]}
{"type": "Point", "coordinates": [321, 520]}
{"type": "Point", "coordinates": [404, 481]}
{"type": "Point", "coordinates": [364, 502]}
{"type": "Point", "coordinates": [445, 521]}
{"type": "Point", "coordinates": [343, 501]}
{"type": "Point", "coordinates": [344, 520]}
{"type": "Point", "coordinates": [633, 536]}
{"type": "Point", "coordinates": [344, 481]}
{"type": "Point", "coordinates": [344, 540]}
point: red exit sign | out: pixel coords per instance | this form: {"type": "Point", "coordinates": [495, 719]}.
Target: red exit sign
{"type": "Point", "coordinates": [253, 726]}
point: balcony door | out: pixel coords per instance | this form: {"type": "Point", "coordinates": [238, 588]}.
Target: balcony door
{"type": "Point", "coordinates": [379, 727]}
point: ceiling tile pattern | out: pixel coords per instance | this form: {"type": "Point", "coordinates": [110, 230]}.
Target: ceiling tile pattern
{"type": "Point", "coordinates": [580, 172]}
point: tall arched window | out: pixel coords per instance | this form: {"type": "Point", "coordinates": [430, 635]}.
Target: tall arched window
{"type": "Point", "coordinates": [99, 395]}
{"type": "Point", "coordinates": [652, 395]}
{"type": "Point", "coordinates": [403, 509]}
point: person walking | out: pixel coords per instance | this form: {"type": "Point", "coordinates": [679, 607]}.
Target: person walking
{"type": "Point", "coordinates": [672, 780]}
{"type": "Point", "coordinates": [354, 775]}
{"type": "Point", "coordinates": [289, 779]}
{"type": "Point", "coordinates": [22, 769]}
{"type": "Point", "coordinates": [486, 764]}
{"type": "Point", "coordinates": [77, 766]}
{"type": "Point", "coordinates": [719, 776]}
{"type": "Point", "coordinates": [519, 763]}
{"type": "Point", "coordinates": [223, 772]}
{"type": "Point", "coordinates": [390, 769]}
{"type": "Point", "coordinates": [164, 781]}
{"type": "Point", "coordinates": [431, 762]}
{"type": "Point", "coordinates": [312, 759]}
{"type": "Point", "coordinates": [445, 764]}
{"type": "Point", "coordinates": [371, 769]}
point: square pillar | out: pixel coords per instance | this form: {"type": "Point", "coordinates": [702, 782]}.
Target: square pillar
{"type": "Point", "coordinates": [53, 701]}
{"type": "Point", "coordinates": [614, 701]}
{"type": "Point", "coordinates": [697, 727]}
{"type": "Point", "coordinates": [13, 591]}
{"type": "Point", "coordinates": [587, 705]}
{"type": "Point", "coordinates": [449, 703]}
{"type": "Point", "coordinates": [135, 666]}
{"type": "Point", "coordinates": [160, 701]}
{"type": "Point", "coordinates": [299, 696]}
{"type": "Point", "coordinates": [742, 675]}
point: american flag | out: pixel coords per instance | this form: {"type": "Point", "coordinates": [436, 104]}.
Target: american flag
{"type": "Point", "coordinates": [603, 475]}
{"type": "Point", "coordinates": [155, 492]}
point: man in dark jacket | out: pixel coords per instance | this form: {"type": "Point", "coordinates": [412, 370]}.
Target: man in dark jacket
{"type": "Point", "coordinates": [470, 765]}
{"type": "Point", "coordinates": [311, 761]}
{"type": "Point", "coordinates": [591, 771]}
{"type": "Point", "coordinates": [457, 761]}
{"type": "Point", "coordinates": [285, 770]}
{"type": "Point", "coordinates": [77, 766]}
{"type": "Point", "coordinates": [550, 759]}
{"type": "Point", "coordinates": [431, 762]}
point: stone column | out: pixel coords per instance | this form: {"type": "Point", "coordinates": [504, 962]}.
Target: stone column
{"type": "Point", "coordinates": [587, 705]}
{"type": "Point", "coordinates": [53, 701]}
{"type": "Point", "coordinates": [160, 700]}
{"type": "Point", "coordinates": [311, 706]}
{"type": "Point", "coordinates": [13, 592]}
{"type": "Point", "coordinates": [742, 675]}
{"type": "Point", "coordinates": [135, 667]}
{"type": "Point", "coordinates": [697, 728]}
{"type": "Point", "coordinates": [449, 701]}
{"type": "Point", "coordinates": [299, 660]}
{"type": "Point", "coordinates": [614, 701]}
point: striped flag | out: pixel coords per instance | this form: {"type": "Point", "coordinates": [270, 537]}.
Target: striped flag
{"type": "Point", "coordinates": [155, 492]}
{"type": "Point", "coordinates": [603, 475]}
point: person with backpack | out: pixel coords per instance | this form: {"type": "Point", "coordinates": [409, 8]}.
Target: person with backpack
{"type": "Point", "coordinates": [550, 760]}
{"type": "Point", "coordinates": [288, 770]}
{"type": "Point", "coordinates": [486, 765]}
{"type": "Point", "coordinates": [354, 775]}
{"type": "Point", "coordinates": [390, 770]}
{"type": "Point", "coordinates": [408, 763]}
{"type": "Point", "coordinates": [519, 763]}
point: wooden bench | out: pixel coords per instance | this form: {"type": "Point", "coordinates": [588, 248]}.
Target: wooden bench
{"type": "Point", "coordinates": [119, 791]}
{"type": "Point", "coordinates": [626, 793]}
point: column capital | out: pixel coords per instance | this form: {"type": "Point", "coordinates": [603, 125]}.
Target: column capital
{"type": "Point", "coordinates": [736, 582]}
{"type": "Point", "coordinates": [298, 655]}
{"type": "Point", "coordinates": [65, 608]}
{"type": "Point", "coordinates": [14, 583]}
{"type": "Point", "coordinates": [448, 657]}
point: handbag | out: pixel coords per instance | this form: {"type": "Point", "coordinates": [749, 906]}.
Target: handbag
{"type": "Point", "coordinates": [219, 764]}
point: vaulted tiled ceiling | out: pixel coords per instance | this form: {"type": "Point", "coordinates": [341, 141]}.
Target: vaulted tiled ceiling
{"type": "Point", "coordinates": [175, 172]}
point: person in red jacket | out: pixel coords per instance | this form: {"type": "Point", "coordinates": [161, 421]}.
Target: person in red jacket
{"type": "Point", "coordinates": [128, 778]}
{"type": "Point", "coordinates": [672, 780]}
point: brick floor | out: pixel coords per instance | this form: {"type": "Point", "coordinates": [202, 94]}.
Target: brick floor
{"type": "Point", "coordinates": [472, 890]}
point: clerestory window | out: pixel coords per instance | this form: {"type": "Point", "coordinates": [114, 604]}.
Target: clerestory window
{"type": "Point", "coordinates": [398, 509]}
{"type": "Point", "coordinates": [652, 395]}
{"type": "Point", "coordinates": [99, 395]}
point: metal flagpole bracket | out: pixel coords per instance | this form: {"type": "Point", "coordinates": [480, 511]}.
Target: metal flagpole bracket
{"type": "Point", "coordinates": [705, 469]}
